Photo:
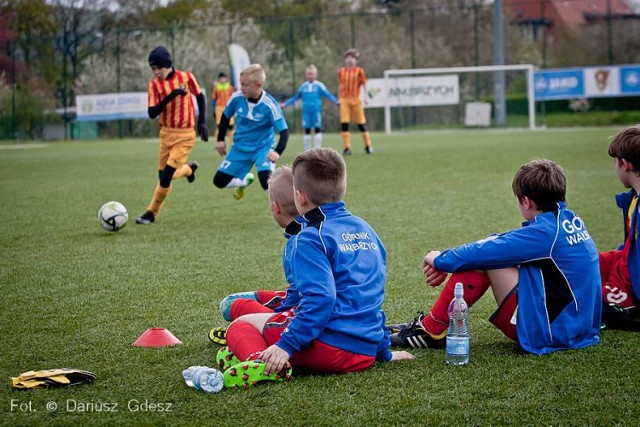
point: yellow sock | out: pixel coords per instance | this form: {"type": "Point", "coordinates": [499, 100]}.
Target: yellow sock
{"type": "Point", "coordinates": [366, 139]}
{"type": "Point", "coordinates": [184, 170]}
{"type": "Point", "coordinates": [346, 140]}
{"type": "Point", "coordinates": [158, 199]}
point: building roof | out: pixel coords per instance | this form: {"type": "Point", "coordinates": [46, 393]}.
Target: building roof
{"type": "Point", "coordinates": [563, 13]}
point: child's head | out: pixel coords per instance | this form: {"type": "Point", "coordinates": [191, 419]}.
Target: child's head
{"type": "Point", "coordinates": [625, 150]}
{"type": "Point", "coordinates": [283, 207]}
{"type": "Point", "coordinates": [160, 62]}
{"type": "Point", "coordinates": [311, 72]}
{"type": "Point", "coordinates": [252, 79]}
{"type": "Point", "coordinates": [351, 58]}
{"type": "Point", "coordinates": [319, 177]}
{"type": "Point", "coordinates": [543, 182]}
{"type": "Point", "coordinates": [223, 78]}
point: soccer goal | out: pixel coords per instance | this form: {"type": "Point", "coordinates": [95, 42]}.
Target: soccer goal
{"type": "Point", "coordinates": [455, 97]}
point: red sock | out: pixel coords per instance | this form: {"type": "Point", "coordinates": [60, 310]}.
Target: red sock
{"type": "Point", "coordinates": [242, 306]}
{"type": "Point", "coordinates": [475, 285]}
{"type": "Point", "coordinates": [245, 341]}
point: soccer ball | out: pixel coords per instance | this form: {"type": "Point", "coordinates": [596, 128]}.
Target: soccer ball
{"type": "Point", "coordinates": [113, 216]}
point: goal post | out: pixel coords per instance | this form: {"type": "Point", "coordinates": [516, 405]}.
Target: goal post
{"type": "Point", "coordinates": [395, 83]}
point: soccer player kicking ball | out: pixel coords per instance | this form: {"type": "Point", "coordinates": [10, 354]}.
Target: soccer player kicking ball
{"type": "Point", "coordinates": [170, 99]}
{"type": "Point", "coordinates": [257, 114]}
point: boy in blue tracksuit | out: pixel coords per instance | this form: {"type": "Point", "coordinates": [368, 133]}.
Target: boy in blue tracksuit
{"type": "Point", "coordinates": [311, 92]}
{"type": "Point", "coordinates": [285, 213]}
{"type": "Point", "coordinates": [339, 269]}
{"type": "Point", "coordinates": [620, 269]}
{"type": "Point", "coordinates": [257, 115]}
{"type": "Point", "coordinates": [544, 275]}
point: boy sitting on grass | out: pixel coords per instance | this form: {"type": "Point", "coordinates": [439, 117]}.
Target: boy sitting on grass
{"type": "Point", "coordinates": [285, 213]}
{"type": "Point", "coordinates": [339, 269]}
{"type": "Point", "coordinates": [544, 275]}
{"type": "Point", "coordinates": [620, 269]}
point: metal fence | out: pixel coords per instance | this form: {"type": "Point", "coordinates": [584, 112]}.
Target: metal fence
{"type": "Point", "coordinates": [45, 75]}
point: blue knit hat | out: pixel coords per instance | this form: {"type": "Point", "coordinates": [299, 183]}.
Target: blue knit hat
{"type": "Point", "coordinates": [160, 57]}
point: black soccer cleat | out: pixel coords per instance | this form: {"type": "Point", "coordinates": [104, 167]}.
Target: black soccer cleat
{"type": "Point", "coordinates": [193, 165]}
{"type": "Point", "coordinates": [346, 152]}
{"type": "Point", "coordinates": [413, 335]}
{"type": "Point", "coordinates": [368, 149]}
{"type": "Point", "coordinates": [147, 218]}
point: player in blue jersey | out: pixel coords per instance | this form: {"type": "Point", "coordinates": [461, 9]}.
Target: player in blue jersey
{"type": "Point", "coordinates": [339, 270]}
{"type": "Point", "coordinates": [311, 93]}
{"type": "Point", "coordinates": [257, 114]}
{"type": "Point", "coordinates": [544, 275]}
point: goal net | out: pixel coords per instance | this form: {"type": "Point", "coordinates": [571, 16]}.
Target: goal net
{"type": "Point", "coordinates": [455, 97]}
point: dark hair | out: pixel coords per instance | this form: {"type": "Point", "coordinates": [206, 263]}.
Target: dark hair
{"type": "Point", "coordinates": [543, 182]}
{"type": "Point", "coordinates": [321, 174]}
{"type": "Point", "coordinates": [626, 145]}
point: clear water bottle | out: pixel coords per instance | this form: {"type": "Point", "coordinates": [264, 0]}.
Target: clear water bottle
{"type": "Point", "coordinates": [458, 332]}
{"type": "Point", "coordinates": [203, 378]}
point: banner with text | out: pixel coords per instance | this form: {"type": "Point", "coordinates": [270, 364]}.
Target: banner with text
{"type": "Point", "coordinates": [589, 82]}
{"type": "Point", "coordinates": [413, 91]}
{"type": "Point", "coordinates": [111, 106]}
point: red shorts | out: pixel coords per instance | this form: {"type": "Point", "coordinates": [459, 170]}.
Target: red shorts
{"type": "Point", "coordinates": [504, 318]}
{"type": "Point", "coordinates": [616, 286]}
{"type": "Point", "coordinates": [319, 357]}
{"type": "Point", "coordinates": [271, 299]}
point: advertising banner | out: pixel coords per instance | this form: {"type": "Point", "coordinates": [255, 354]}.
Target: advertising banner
{"type": "Point", "coordinates": [413, 91]}
{"type": "Point", "coordinates": [111, 106]}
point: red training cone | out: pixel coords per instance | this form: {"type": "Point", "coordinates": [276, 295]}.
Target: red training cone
{"type": "Point", "coordinates": [156, 337]}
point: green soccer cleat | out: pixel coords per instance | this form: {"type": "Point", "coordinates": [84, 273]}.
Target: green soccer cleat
{"type": "Point", "coordinates": [251, 373]}
{"type": "Point", "coordinates": [239, 191]}
{"type": "Point", "coordinates": [218, 335]}
{"type": "Point", "coordinates": [226, 359]}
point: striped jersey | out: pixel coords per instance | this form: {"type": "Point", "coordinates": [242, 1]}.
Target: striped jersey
{"type": "Point", "coordinates": [350, 80]}
{"type": "Point", "coordinates": [180, 112]}
{"type": "Point", "coordinates": [221, 93]}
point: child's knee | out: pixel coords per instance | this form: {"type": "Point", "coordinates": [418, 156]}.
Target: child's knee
{"type": "Point", "coordinates": [227, 302]}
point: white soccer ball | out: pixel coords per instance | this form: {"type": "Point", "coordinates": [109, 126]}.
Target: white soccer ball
{"type": "Point", "coordinates": [113, 216]}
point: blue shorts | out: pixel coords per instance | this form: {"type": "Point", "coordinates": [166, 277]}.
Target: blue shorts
{"type": "Point", "coordinates": [311, 119]}
{"type": "Point", "coordinates": [239, 162]}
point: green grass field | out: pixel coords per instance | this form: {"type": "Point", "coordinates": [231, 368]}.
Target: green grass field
{"type": "Point", "coordinates": [77, 296]}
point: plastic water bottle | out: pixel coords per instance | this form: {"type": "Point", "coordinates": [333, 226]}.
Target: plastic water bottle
{"type": "Point", "coordinates": [203, 378]}
{"type": "Point", "coordinates": [458, 333]}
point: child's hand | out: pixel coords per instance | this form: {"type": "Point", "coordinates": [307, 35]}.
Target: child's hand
{"type": "Point", "coordinates": [433, 276]}
{"type": "Point", "coordinates": [273, 156]}
{"type": "Point", "coordinates": [275, 358]}
{"type": "Point", "coordinates": [221, 147]}
{"type": "Point", "coordinates": [402, 355]}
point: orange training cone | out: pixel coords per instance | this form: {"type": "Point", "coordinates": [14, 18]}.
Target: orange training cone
{"type": "Point", "coordinates": [156, 337]}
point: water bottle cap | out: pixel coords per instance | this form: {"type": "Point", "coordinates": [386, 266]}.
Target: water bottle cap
{"type": "Point", "coordinates": [459, 290]}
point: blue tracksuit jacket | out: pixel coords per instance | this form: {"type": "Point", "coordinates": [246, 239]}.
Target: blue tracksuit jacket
{"type": "Point", "coordinates": [293, 296]}
{"type": "Point", "coordinates": [339, 269]}
{"type": "Point", "coordinates": [559, 292]}
{"type": "Point", "coordinates": [623, 200]}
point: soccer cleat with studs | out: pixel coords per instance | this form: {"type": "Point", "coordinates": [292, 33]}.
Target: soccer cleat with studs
{"type": "Point", "coordinates": [193, 165]}
{"type": "Point", "coordinates": [218, 335]}
{"type": "Point", "coordinates": [226, 359]}
{"type": "Point", "coordinates": [346, 152]}
{"type": "Point", "coordinates": [239, 191]}
{"type": "Point", "coordinates": [368, 149]}
{"type": "Point", "coordinates": [413, 335]}
{"type": "Point", "coordinates": [251, 373]}
{"type": "Point", "coordinates": [146, 218]}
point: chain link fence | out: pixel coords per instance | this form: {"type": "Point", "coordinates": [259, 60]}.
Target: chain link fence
{"type": "Point", "coordinates": [37, 98]}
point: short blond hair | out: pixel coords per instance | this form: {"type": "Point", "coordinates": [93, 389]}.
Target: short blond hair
{"type": "Point", "coordinates": [256, 72]}
{"type": "Point", "coordinates": [311, 67]}
{"type": "Point", "coordinates": [352, 53]}
{"type": "Point", "coordinates": [321, 174]}
{"type": "Point", "coordinates": [281, 189]}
